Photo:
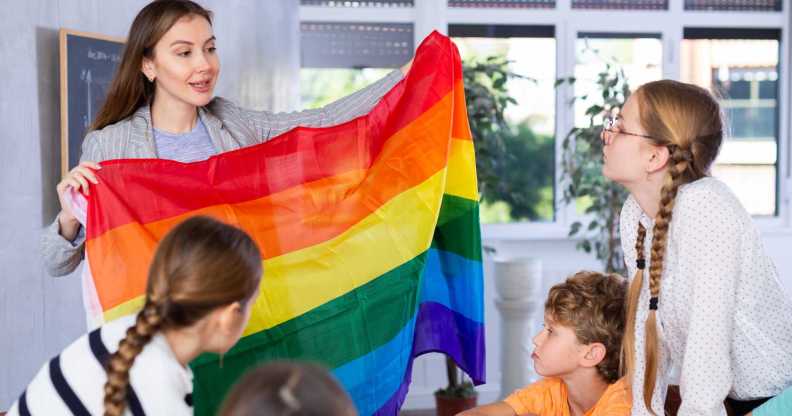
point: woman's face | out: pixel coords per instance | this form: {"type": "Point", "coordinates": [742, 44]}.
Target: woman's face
{"type": "Point", "coordinates": [185, 66]}
{"type": "Point", "coordinates": [624, 154]}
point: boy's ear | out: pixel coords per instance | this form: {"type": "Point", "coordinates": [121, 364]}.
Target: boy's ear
{"type": "Point", "coordinates": [595, 353]}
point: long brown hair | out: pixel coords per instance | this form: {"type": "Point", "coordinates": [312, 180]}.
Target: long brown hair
{"type": "Point", "coordinates": [688, 121]}
{"type": "Point", "coordinates": [130, 89]}
{"type": "Point", "coordinates": [200, 265]}
{"type": "Point", "coordinates": [288, 388]}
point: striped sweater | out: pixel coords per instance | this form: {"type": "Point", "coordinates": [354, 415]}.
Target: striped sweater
{"type": "Point", "coordinates": [73, 382]}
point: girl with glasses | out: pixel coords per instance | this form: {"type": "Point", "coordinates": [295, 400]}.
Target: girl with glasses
{"type": "Point", "coordinates": [705, 303]}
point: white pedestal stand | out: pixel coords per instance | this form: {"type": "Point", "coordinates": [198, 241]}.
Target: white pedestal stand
{"type": "Point", "coordinates": [518, 282]}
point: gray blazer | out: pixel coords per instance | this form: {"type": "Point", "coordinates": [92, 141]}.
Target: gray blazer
{"type": "Point", "coordinates": [230, 127]}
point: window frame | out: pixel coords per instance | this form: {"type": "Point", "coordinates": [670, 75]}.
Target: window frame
{"type": "Point", "coordinates": [429, 15]}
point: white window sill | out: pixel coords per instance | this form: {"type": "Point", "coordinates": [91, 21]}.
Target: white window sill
{"type": "Point", "coordinates": [527, 231]}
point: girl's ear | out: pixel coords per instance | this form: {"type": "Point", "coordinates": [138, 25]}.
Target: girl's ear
{"type": "Point", "coordinates": [228, 317]}
{"type": "Point", "coordinates": [658, 157]}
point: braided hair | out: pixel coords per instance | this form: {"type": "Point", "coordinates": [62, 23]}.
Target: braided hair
{"type": "Point", "coordinates": [687, 120]}
{"type": "Point", "coordinates": [200, 265]}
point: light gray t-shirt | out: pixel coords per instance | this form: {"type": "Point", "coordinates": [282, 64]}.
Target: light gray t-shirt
{"type": "Point", "coordinates": [185, 147]}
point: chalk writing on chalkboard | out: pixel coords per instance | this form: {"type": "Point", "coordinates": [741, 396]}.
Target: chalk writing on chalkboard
{"type": "Point", "coordinates": [87, 65]}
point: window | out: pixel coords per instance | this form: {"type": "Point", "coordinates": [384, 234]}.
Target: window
{"type": "Point", "coordinates": [515, 4]}
{"type": "Point", "coordinates": [526, 191]}
{"type": "Point", "coordinates": [639, 55]}
{"type": "Point", "coordinates": [741, 68]}
{"type": "Point", "coordinates": [341, 58]}
{"type": "Point", "coordinates": [550, 39]}
{"type": "Point", "coordinates": [358, 3]}
{"type": "Point", "coordinates": [734, 5]}
{"type": "Point", "coordinates": [621, 4]}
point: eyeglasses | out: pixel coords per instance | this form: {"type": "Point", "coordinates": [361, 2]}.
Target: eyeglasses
{"type": "Point", "coordinates": [612, 125]}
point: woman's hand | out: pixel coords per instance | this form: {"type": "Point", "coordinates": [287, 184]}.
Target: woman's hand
{"type": "Point", "coordinates": [78, 179]}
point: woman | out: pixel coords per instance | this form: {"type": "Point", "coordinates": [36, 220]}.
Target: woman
{"type": "Point", "coordinates": [202, 281]}
{"type": "Point", "coordinates": [705, 300]}
{"type": "Point", "coordinates": [161, 105]}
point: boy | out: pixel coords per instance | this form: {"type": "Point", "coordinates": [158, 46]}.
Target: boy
{"type": "Point", "coordinates": [577, 352]}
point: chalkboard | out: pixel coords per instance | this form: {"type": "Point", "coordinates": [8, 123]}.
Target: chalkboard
{"type": "Point", "coordinates": [88, 63]}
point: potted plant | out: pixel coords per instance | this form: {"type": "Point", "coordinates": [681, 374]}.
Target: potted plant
{"type": "Point", "coordinates": [458, 396]}
{"type": "Point", "coordinates": [582, 171]}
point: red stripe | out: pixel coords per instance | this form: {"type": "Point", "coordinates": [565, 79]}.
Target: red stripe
{"type": "Point", "coordinates": [295, 157]}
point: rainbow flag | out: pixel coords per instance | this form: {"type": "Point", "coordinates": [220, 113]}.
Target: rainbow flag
{"type": "Point", "coordinates": [369, 232]}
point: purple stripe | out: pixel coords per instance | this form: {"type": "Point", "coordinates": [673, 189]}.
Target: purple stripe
{"type": "Point", "coordinates": [439, 329]}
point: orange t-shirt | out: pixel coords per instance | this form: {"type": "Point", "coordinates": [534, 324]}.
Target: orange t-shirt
{"type": "Point", "coordinates": [548, 397]}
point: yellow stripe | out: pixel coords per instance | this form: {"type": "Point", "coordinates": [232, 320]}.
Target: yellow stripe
{"type": "Point", "coordinates": [302, 280]}
{"type": "Point", "coordinates": [126, 308]}
{"type": "Point", "coordinates": [462, 170]}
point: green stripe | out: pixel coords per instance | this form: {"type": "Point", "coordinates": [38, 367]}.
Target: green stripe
{"type": "Point", "coordinates": [333, 334]}
{"type": "Point", "coordinates": [458, 229]}
{"type": "Point", "coordinates": [346, 327]}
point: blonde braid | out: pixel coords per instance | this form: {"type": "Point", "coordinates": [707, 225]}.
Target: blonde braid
{"type": "Point", "coordinates": [678, 164]}
{"type": "Point", "coordinates": [148, 322]}
{"type": "Point", "coordinates": [628, 342]}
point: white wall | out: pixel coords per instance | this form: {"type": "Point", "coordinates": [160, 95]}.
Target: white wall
{"type": "Point", "coordinates": [39, 315]}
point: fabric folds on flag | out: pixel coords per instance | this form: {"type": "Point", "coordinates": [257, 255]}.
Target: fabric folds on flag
{"type": "Point", "coordinates": [369, 232]}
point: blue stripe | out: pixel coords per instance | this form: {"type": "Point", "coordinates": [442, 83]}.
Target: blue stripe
{"type": "Point", "coordinates": [388, 363]}
{"type": "Point", "coordinates": [454, 282]}
{"type": "Point", "coordinates": [449, 279]}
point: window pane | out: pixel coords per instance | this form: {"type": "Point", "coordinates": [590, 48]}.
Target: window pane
{"type": "Point", "coordinates": [358, 3]}
{"type": "Point", "coordinates": [526, 191]}
{"type": "Point", "coordinates": [521, 4]}
{"type": "Point", "coordinates": [639, 57]}
{"type": "Point", "coordinates": [338, 58]}
{"type": "Point", "coordinates": [733, 5]}
{"type": "Point", "coordinates": [743, 73]}
{"type": "Point", "coordinates": [355, 45]}
{"type": "Point", "coordinates": [322, 86]}
{"type": "Point", "coordinates": [621, 4]}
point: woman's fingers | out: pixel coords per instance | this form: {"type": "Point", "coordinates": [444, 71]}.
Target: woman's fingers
{"type": "Point", "coordinates": [83, 183]}
{"type": "Point", "coordinates": [85, 172]}
{"type": "Point", "coordinates": [92, 165]}
{"type": "Point", "coordinates": [79, 178]}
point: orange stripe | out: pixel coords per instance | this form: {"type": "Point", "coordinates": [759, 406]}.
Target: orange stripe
{"type": "Point", "coordinates": [460, 128]}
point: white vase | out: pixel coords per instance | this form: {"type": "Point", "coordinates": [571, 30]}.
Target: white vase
{"type": "Point", "coordinates": [518, 278]}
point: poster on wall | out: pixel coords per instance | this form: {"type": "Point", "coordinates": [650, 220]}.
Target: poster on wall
{"type": "Point", "coordinates": [88, 62]}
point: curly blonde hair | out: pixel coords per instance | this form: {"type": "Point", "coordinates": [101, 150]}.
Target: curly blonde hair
{"type": "Point", "coordinates": [593, 304]}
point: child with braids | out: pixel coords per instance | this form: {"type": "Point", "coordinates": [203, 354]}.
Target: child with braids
{"type": "Point", "coordinates": [201, 284]}
{"type": "Point", "coordinates": [288, 389]}
{"type": "Point", "coordinates": [577, 352]}
{"type": "Point", "coordinates": [705, 304]}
